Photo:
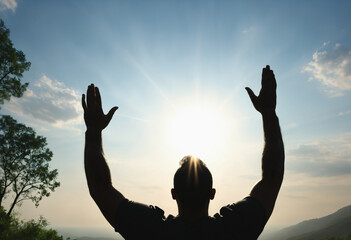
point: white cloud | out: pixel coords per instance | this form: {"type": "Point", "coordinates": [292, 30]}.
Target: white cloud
{"type": "Point", "coordinates": [332, 67]}
{"type": "Point", "coordinates": [344, 113]}
{"type": "Point", "coordinates": [290, 125]}
{"type": "Point", "coordinates": [8, 4]}
{"type": "Point", "coordinates": [247, 30]}
{"type": "Point", "coordinates": [48, 101]}
{"type": "Point", "coordinates": [322, 159]}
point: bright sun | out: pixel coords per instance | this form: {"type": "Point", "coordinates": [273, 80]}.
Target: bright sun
{"type": "Point", "coordinates": [198, 129]}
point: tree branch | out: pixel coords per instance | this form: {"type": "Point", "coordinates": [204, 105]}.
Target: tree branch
{"type": "Point", "coordinates": [6, 74]}
{"type": "Point", "coordinates": [15, 201]}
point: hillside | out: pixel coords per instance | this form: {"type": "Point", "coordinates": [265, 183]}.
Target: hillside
{"type": "Point", "coordinates": [335, 224]}
{"type": "Point", "coordinates": [338, 228]}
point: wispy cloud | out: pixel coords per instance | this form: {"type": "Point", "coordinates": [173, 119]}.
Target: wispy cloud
{"type": "Point", "coordinates": [322, 159]}
{"type": "Point", "coordinates": [8, 4]}
{"type": "Point", "coordinates": [290, 125]}
{"type": "Point", "coordinates": [248, 30]}
{"type": "Point", "coordinates": [332, 67]}
{"type": "Point", "coordinates": [344, 113]}
{"type": "Point", "coordinates": [151, 81]}
{"type": "Point", "coordinates": [48, 101]}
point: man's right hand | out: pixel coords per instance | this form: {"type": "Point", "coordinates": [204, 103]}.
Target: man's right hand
{"type": "Point", "coordinates": [94, 117]}
{"type": "Point", "coordinates": [266, 100]}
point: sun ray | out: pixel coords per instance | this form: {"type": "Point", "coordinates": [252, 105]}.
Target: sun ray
{"type": "Point", "coordinates": [151, 81]}
{"type": "Point", "coordinates": [132, 117]}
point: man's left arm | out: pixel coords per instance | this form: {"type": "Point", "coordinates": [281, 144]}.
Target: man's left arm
{"type": "Point", "coordinates": [267, 189]}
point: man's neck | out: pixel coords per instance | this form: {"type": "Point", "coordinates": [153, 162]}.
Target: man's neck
{"type": "Point", "coordinates": [191, 215]}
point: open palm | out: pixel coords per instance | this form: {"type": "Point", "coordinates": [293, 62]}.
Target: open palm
{"type": "Point", "coordinates": [94, 117]}
{"type": "Point", "coordinates": [266, 100]}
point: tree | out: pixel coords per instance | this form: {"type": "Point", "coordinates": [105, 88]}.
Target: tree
{"type": "Point", "coordinates": [13, 229]}
{"type": "Point", "coordinates": [24, 164]}
{"type": "Point", "coordinates": [12, 65]}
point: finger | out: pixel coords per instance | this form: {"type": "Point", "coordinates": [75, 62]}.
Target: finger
{"type": "Point", "coordinates": [252, 96]}
{"type": "Point", "coordinates": [110, 114]}
{"type": "Point", "coordinates": [84, 105]}
{"type": "Point", "coordinates": [271, 82]}
{"type": "Point", "coordinates": [98, 97]}
{"type": "Point", "coordinates": [267, 78]}
{"type": "Point", "coordinates": [265, 72]}
{"type": "Point", "coordinates": [90, 96]}
{"type": "Point", "coordinates": [274, 81]}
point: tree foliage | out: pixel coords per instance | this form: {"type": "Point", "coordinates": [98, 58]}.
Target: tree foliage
{"type": "Point", "coordinates": [24, 164]}
{"type": "Point", "coordinates": [13, 229]}
{"type": "Point", "coordinates": [12, 65]}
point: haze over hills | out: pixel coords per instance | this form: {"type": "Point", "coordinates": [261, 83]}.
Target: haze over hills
{"type": "Point", "coordinates": [333, 225]}
{"type": "Point", "coordinates": [89, 233]}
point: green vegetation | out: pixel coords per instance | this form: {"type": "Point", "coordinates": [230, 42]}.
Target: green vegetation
{"type": "Point", "coordinates": [24, 156]}
{"type": "Point", "coordinates": [12, 65]}
{"type": "Point", "coordinates": [24, 164]}
{"type": "Point", "coordinates": [13, 229]}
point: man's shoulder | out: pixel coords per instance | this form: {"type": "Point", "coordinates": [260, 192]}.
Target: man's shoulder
{"type": "Point", "coordinates": [247, 205]}
{"type": "Point", "coordinates": [233, 221]}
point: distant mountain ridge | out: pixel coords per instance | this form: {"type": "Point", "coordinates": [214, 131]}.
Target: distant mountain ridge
{"type": "Point", "coordinates": [333, 225]}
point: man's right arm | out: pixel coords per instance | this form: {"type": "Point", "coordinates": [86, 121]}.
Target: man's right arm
{"type": "Point", "coordinates": [267, 189]}
{"type": "Point", "coordinates": [97, 171]}
{"type": "Point", "coordinates": [98, 176]}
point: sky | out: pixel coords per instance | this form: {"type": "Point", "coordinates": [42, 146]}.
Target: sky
{"type": "Point", "coordinates": [177, 70]}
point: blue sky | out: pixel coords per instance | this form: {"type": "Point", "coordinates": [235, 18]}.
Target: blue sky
{"type": "Point", "coordinates": [161, 60]}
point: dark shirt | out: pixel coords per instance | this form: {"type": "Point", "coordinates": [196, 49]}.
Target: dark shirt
{"type": "Point", "coordinates": [243, 220]}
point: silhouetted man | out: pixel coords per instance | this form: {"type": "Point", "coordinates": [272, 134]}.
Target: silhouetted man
{"type": "Point", "coordinates": [192, 183]}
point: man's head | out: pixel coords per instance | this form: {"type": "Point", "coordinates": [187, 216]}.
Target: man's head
{"type": "Point", "coordinates": [192, 184]}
